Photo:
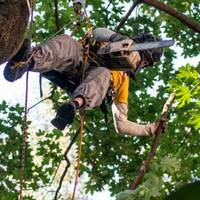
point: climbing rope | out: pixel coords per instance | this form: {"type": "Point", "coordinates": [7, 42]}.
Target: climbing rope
{"type": "Point", "coordinates": [79, 156]}
{"type": "Point", "coordinates": [25, 125]}
{"type": "Point", "coordinates": [86, 47]}
{"type": "Point", "coordinates": [29, 4]}
{"type": "Point", "coordinates": [24, 137]}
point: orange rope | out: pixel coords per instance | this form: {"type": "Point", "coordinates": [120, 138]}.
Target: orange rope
{"type": "Point", "coordinates": [30, 4]}
{"type": "Point", "coordinates": [24, 136]}
{"type": "Point", "coordinates": [79, 157]}
{"type": "Point", "coordinates": [85, 62]}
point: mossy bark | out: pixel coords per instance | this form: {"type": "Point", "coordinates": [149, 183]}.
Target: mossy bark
{"type": "Point", "coordinates": [14, 15]}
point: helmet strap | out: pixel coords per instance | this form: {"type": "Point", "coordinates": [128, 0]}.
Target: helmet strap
{"type": "Point", "coordinates": [144, 62]}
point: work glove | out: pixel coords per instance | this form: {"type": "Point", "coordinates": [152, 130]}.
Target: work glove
{"type": "Point", "coordinates": [65, 115]}
{"type": "Point", "coordinates": [152, 128]}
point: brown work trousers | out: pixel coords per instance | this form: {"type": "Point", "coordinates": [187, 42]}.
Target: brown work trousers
{"type": "Point", "coordinates": [64, 54]}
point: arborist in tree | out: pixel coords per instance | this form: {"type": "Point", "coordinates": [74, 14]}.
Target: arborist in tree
{"type": "Point", "coordinates": [61, 60]}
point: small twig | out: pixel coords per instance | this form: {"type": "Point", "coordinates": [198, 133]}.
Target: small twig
{"type": "Point", "coordinates": [195, 86]}
{"type": "Point", "coordinates": [49, 97]}
{"type": "Point", "coordinates": [61, 179]}
{"type": "Point", "coordinates": [180, 148]}
{"type": "Point", "coordinates": [56, 15]}
{"type": "Point", "coordinates": [68, 163]}
{"type": "Point", "coordinates": [106, 17]}
{"type": "Point", "coordinates": [124, 19]}
{"type": "Point", "coordinates": [143, 169]}
{"type": "Point", "coordinates": [39, 102]}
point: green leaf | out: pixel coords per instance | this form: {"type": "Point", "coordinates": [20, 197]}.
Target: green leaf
{"type": "Point", "coordinates": [125, 195]}
{"type": "Point", "coordinates": [195, 119]}
{"type": "Point", "coordinates": [183, 95]}
{"type": "Point", "coordinates": [170, 164]}
{"type": "Point", "coordinates": [187, 73]}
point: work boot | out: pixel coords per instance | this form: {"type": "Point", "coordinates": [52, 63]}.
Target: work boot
{"type": "Point", "coordinates": [65, 115]}
{"type": "Point", "coordinates": [12, 72]}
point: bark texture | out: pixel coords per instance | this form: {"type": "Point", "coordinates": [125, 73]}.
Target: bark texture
{"type": "Point", "coordinates": [192, 24]}
{"type": "Point", "coordinates": [14, 15]}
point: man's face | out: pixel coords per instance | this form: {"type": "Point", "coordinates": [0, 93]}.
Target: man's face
{"type": "Point", "coordinates": [136, 59]}
{"type": "Point", "coordinates": [144, 62]}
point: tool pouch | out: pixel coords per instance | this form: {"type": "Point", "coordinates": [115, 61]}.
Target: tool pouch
{"type": "Point", "coordinates": [118, 55]}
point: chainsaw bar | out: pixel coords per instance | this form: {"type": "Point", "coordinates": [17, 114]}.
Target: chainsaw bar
{"type": "Point", "coordinates": [128, 45]}
{"type": "Point", "coordinates": [152, 45]}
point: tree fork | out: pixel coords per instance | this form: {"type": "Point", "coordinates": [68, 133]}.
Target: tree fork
{"type": "Point", "coordinates": [143, 169]}
{"type": "Point", "coordinates": [194, 25]}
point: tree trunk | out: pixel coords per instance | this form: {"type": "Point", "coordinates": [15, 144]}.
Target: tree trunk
{"type": "Point", "coordinates": [194, 25]}
{"type": "Point", "coordinates": [14, 15]}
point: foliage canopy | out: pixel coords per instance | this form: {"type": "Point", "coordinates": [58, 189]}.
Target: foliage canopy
{"type": "Point", "coordinates": [108, 158]}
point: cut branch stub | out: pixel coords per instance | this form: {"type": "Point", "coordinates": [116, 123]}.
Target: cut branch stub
{"type": "Point", "coordinates": [14, 16]}
{"type": "Point", "coordinates": [145, 165]}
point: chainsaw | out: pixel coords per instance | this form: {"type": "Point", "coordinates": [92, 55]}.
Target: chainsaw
{"type": "Point", "coordinates": [118, 55]}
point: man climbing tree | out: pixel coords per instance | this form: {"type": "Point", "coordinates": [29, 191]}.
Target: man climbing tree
{"type": "Point", "coordinates": [113, 156]}
{"type": "Point", "coordinates": [64, 56]}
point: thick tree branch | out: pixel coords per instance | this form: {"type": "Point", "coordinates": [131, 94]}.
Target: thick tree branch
{"type": "Point", "coordinates": [156, 142]}
{"type": "Point", "coordinates": [194, 25]}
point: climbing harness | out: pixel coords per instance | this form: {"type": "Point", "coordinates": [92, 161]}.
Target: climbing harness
{"type": "Point", "coordinates": [54, 76]}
